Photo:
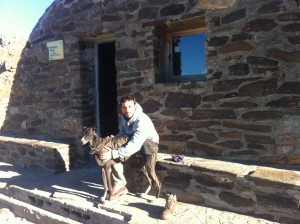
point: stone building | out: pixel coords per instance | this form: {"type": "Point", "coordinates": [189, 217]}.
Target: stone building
{"type": "Point", "coordinates": [242, 104]}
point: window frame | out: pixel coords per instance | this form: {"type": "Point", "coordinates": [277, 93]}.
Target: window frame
{"type": "Point", "coordinates": [168, 68]}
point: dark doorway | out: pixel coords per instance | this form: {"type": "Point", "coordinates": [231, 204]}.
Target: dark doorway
{"type": "Point", "coordinates": [107, 89]}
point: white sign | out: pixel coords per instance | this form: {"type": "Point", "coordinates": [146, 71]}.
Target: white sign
{"type": "Point", "coordinates": [55, 50]}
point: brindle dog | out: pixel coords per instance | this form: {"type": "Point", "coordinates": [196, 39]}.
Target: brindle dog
{"type": "Point", "coordinates": [100, 145]}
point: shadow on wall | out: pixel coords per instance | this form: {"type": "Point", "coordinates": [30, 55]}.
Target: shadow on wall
{"type": "Point", "coordinates": [11, 48]}
{"type": "Point", "coordinates": [49, 100]}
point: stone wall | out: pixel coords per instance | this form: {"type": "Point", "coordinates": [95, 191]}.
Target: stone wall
{"type": "Point", "coordinates": [246, 110]}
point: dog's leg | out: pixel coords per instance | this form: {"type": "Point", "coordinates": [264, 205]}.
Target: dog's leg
{"type": "Point", "coordinates": [103, 198]}
{"type": "Point", "coordinates": [108, 172]}
{"type": "Point", "coordinates": [150, 167]}
{"type": "Point", "coordinates": [145, 172]}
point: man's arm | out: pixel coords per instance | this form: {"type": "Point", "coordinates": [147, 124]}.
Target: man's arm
{"type": "Point", "coordinates": [133, 146]}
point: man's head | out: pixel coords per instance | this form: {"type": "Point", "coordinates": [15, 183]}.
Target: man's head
{"type": "Point", "coordinates": [128, 105]}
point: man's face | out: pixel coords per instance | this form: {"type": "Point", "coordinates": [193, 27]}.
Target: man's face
{"type": "Point", "coordinates": [128, 108]}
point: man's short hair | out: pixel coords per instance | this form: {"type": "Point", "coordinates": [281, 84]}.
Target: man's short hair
{"type": "Point", "coordinates": [127, 98]}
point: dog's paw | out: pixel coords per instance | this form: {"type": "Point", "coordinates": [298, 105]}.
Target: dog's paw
{"type": "Point", "coordinates": [103, 199]}
{"type": "Point", "coordinates": [143, 195]}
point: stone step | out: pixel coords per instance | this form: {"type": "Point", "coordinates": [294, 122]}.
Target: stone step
{"type": "Point", "coordinates": [32, 213]}
{"type": "Point", "coordinates": [44, 205]}
{"type": "Point", "coordinates": [48, 155]}
{"type": "Point", "coordinates": [75, 195]}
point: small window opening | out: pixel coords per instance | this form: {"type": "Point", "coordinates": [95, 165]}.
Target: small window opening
{"type": "Point", "coordinates": [188, 55]}
{"type": "Point", "coordinates": [181, 52]}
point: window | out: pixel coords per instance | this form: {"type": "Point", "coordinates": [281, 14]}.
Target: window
{"type": "Point", "coordinates": [183, 52]}
{"type": "Point", "coordinates": [188, 56]}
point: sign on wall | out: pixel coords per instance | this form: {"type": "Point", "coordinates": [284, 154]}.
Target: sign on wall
{"type": "Point", "coordinates": [55, 50]}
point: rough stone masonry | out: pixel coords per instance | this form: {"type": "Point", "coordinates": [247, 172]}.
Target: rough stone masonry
{"type": "Point", "coordinates": [246, 110]}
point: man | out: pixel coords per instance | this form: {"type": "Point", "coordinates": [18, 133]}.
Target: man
{"type": "Point", "coordinates": [135, 123]}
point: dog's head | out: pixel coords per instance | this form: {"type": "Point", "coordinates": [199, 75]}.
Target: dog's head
{"type": "Point", "coordinates": [88, 134]}
{"type": "Point", "coordinates": [97, 144]}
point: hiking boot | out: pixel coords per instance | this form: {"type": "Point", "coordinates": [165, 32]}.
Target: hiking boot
{"type": "Point", "coordinates": [170, 206]}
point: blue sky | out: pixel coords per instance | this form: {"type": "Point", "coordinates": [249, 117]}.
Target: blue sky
{"type": "Point", "coordinates": [193, 54]}
{"type": "Point", "coordinates": [20, 16]}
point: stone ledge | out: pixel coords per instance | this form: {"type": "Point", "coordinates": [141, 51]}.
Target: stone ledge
{"type": "Point", "coordinates": [261, 175]}
{"type": "Point", "coordinates": [264, 192]}
{"type": "Point", "coordinates": [71, 210]}
{"type": "Point", "coordinates": [27, 153]}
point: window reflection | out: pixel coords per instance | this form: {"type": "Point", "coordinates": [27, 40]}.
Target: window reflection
{"type": "Point", "coordinates": [189, 55]}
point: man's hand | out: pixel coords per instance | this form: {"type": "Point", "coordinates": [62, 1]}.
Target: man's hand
{"type": "Point", "coordinates": [106, 156]}
{"type": "Point", "coordinates": [108, 137]}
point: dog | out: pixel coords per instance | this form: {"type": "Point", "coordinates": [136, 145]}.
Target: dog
{"type": "Point", "coordinates": [100, 145]}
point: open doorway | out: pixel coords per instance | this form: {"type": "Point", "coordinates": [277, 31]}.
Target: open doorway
{"type": "Point", "coordinates": [107, 89]}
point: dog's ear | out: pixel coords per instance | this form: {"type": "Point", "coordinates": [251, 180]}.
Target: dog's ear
{"type": "Point", "coordinates": [94, 128]}
{"type": "Point", "coordinates": [83, 128]}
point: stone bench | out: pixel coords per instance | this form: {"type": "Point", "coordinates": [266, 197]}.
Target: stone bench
{"type": "Point", "coordinates": [29, 153]}
{"type": "Point", "coordinates": [265, 192]}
